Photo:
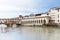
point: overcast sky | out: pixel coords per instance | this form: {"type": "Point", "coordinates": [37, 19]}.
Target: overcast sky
{"type": "Point", "coordinates": [13, 8]}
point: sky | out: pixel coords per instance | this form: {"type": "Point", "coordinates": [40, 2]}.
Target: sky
{"type": "Point", "coordinates": [13, 8]}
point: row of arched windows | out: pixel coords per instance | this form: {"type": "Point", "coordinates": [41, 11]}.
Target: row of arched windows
{"type": "Point", "coordinates": [34, 21]}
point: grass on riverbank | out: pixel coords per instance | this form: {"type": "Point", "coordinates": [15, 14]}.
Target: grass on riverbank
{"type": "Point", "coordinates": [46, 26]}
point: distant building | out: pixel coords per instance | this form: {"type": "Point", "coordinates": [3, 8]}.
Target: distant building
{"type": "Point", "coordinates": [55, 14]}
{"type": "Point", "coordinates": [36, 19]}
{"type": "Point", "coordinates": [52, 16]}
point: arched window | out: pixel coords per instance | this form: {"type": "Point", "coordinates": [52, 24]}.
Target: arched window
{"type": "Point", "coordinates": [44, 21]}
{"type": "Point", "coordinates": [41, 21]}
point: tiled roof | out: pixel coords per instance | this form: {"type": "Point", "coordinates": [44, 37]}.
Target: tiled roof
{"type": "Point", "coordinates": [56, 8]}
{"type": "Point", "coordinates": [41, 13]}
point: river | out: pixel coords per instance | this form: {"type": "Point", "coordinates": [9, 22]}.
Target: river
{"type": "Point", "coordinates": [31, 33]}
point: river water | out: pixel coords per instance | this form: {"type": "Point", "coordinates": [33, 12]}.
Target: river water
{"type": "Point", "coordinates": [31, 33]}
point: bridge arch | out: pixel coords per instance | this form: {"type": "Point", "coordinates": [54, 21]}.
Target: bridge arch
{"type": "Point", "coordinates": [14, 25]}
{"type": "Point", "coordinates": [3, 25]}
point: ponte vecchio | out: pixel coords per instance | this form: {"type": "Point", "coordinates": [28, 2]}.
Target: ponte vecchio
{"type": "Point", "coordinates": [11, 21]}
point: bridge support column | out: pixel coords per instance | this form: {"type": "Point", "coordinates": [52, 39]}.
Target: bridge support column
{"type": "Point", "coordinates": [9, 25]}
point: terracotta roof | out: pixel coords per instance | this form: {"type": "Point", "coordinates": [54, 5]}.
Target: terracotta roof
{"type": "Point", "coordinates": [41, 14]}
{"type": "Point", "coordinates": [55, 8]}
{"type": "Point", "coordinates": [26, 16]}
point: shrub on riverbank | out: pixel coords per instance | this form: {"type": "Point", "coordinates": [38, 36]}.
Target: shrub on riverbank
{"type": "Point", "coordinates": [36, 25]}
{"type": "Point", "coordinates": [48, 25]}
{"type": "Point", "coordinates": [51, 24]}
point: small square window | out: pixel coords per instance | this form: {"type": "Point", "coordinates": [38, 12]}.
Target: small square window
{"type": "Point", "coordinates": [58, 20]}
{"type": "Point", "coordinates": [58, 16]}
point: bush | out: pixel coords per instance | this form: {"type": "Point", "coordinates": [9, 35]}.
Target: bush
{"type": "Point", "coordinates": [51, 24]}
{"type": "Point", "coordinates": [36, 25]}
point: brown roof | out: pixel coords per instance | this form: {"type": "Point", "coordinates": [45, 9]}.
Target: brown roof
{"type": "Point", "coordinates": [43, 17]}
{"type": "Point", "coordinates": [41, 14]}
{"type": "Point", "coordinates": [56, 8]}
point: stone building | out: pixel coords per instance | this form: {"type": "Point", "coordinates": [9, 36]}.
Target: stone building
{"type": "Point", "coordinates": [36, 19]}
{"type": "Point", "coordinates": [52, 16]}
{"type": "Point", "coordinates": [55, 14]}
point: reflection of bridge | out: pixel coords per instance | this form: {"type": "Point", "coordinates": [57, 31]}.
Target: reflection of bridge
{"type": "Point", "coordinates": [10, 22]}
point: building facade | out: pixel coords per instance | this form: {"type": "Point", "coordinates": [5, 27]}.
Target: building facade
{"type": "Point", "coordinates": [36, 19]}
{"type": "Point", "coordinates": [52, 16]}
{"type": "Point", "coordinates": [55, 14]}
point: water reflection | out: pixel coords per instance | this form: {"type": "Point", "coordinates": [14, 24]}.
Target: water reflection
{"type": "Point", "coordinates": [3, 27]}
{"type": "Point", "coordinates": [31, 33]}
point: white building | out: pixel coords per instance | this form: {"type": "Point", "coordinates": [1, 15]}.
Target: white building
{"type": "Point", "coordinates": [55, 14]}
{"type": "Point", "coordinates": [36, 19]}
{"type": "Point", "coordinates": [52, 16]}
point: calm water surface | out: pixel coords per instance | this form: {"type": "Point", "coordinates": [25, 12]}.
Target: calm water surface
{"type": "Point", "coordinates": [31, 33]}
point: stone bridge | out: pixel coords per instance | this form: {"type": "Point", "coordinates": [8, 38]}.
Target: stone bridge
{"type": "Point", "coordinates": [11, 22]}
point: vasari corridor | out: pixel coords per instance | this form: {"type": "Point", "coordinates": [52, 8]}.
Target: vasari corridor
{"type": "Point", "coordinates": [29, 19]}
